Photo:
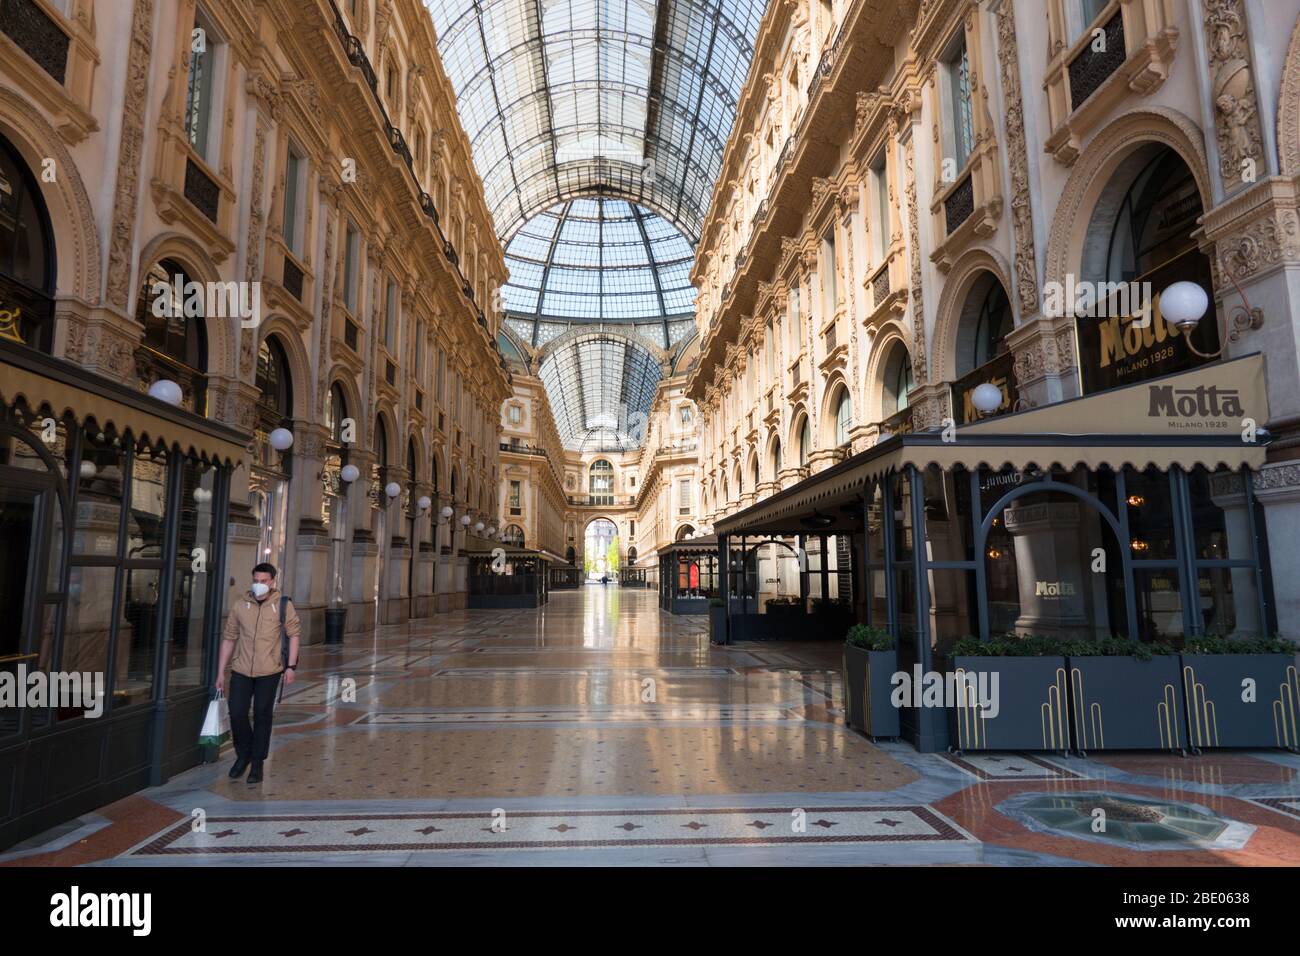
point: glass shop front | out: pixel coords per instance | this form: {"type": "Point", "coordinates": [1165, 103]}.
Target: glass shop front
{"type": "Point", "coordinates": [112, 510]}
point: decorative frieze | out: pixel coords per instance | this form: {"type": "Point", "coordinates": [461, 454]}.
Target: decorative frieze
{"type": "Point", "coordinates": [1237, 121]}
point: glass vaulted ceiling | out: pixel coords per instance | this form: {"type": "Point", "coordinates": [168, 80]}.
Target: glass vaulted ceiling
{"type": "Point", "coordinates": [600, 387]}
{"type": "Point", "coordinates": [599, 259]}
{"type": "Point", "coordinates": [598, 128]}
{"type": "Point", "coordinates": [564, 98]}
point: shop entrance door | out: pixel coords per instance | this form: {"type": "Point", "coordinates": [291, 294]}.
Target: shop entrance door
{"type": "Point", "coordinates": [23, 500]}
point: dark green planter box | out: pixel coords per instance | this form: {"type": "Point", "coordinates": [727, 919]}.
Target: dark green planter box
{"type": "Point", "coordinates": [1218, 717]}
{"type": "Point", "coordinates": [867, 689]}
{"type": "Point", "coordinates": [717, 625]}
{"type": "Point", "coordinates": [1033, 701]}
{"type": "Point", "coordinates": [1122, 703]}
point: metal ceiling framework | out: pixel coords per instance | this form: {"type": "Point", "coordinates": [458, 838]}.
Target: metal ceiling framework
{"type": "Point", "coordinates": [601, 259]}
{"type": "Point", "coordinates": [565, 98]}
{"type": "Point", "coordinates": [598, 128]}
{"type": "Point", "coordinates": [601, 387]}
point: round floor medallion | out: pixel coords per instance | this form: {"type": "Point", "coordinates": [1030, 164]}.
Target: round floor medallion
{"type": "Point", "coordinates": [1124, 819]}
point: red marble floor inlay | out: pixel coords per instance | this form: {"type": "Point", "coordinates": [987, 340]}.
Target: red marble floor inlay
{"type": "Point", "coordinates": [131, 820]}
{"type": "Point", "coordinates": [1276, 841]}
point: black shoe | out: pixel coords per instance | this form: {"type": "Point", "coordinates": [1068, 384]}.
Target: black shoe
{"type": "Point", "coordinates": [238, 767]}
{"type": "Point", "coordinates": [256, 775]}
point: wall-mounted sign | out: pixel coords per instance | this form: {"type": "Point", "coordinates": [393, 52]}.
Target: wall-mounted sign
{"type": "Point", "coordinates": [1117, 349]}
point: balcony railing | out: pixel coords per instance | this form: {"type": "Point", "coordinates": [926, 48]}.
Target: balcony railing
{"type": "Point", "coordinates": [1091, 68]}
{"type": "Point", "coordinates": [356, 54]}
{"type": "Point", "coordinates": [522, 449]}
{"type": "Point", "coordinates": [24, 22]}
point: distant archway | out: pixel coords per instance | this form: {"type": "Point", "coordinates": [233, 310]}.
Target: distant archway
{"type": "Point", "coordinates": [600, 554]}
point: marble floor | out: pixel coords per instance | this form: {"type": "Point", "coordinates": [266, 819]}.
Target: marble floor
{"type": "Point", "coordinates": [599, 730]}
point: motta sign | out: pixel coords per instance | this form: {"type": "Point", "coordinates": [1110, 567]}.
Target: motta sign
{"type": "Point", "coordinates": [1124, 349]}
{"type": "Point", "coordinates": [1053, 589]}
{"type": "Point", "coordinates": [1197, 404]}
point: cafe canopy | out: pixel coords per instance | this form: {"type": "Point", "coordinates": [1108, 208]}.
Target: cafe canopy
{"type": "Point", "coordinates": [1201, 417]}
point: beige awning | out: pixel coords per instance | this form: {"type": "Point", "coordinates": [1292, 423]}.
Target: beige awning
{"type": "Point", "coordinates": [42, 381]}
{"type": "Point", "coordinates": [1199, 417]}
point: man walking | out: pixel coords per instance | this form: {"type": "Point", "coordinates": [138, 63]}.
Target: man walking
{"type": "Point", "coordinates": [253, 647]}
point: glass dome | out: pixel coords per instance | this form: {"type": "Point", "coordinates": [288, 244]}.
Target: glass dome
{"type": "Point", "coordinates": [599, 259]}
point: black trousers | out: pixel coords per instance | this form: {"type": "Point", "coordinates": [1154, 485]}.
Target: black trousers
{"type": "Point", "coordinates": [252, 742]}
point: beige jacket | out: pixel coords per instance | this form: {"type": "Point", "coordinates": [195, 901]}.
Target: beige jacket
{"type": "Point", "coordinates": [254, 626]}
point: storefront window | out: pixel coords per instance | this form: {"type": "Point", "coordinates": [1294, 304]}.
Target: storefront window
{"type": "Point", "coordinates": [901, 486]}
{"type": "Point", "coordinates": [196, 543]}
{"type": "Point", "coordinates": [1228, 601]}
{"type": "Point", "coordinates": [99, 494]}
{"type": "Point", "coordinates": [1220, 519]}
{"type": "Point", "coordinates": [1149, 501]}
{"type": "Point", "coordinates": [144, 525]}
{"type": "Point", "coordinates": [137, 636]}
{"type": "Point", "coordinates": [954, 609]}
{"type": "Point", "coordinates": [87, 622]}
{"type": "Point", "coordinates": [1159, 602]}
{"type": "Point", "coordinates": [948, 530]}
{"type": "Point", "coordinates": [1053, 569]}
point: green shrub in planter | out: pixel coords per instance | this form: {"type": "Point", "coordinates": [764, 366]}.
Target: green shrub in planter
{"type": "Point", "coordinates": [870, 662]}
{"type": "Point", "coordinates": [1241, 692]}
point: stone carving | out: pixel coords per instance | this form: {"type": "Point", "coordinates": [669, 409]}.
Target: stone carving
{"type": "Point", "coordinates": [919, 364]}
{"type": "Point", "coordinates": [383, 17]}
{"type": "Point", "coordinates": [1280, 476]}
{"type": "Point", "coordinates": [1238, 127]}
{"type": "Point", "coordinates": [129, 157]}
{"type": "Point", "coordinates": [1021, 214]}
{"type": "Point", "coordinates": [253, 252]}
{"type": "Point", "coordinates": [1264, 243]}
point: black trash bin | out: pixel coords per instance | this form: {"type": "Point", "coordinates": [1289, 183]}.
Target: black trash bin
{"type": "Point", "coordinates": [335, 619]}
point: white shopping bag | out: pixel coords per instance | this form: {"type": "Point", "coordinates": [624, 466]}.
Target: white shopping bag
{"type": "Point", "coordinates": [216, 725]}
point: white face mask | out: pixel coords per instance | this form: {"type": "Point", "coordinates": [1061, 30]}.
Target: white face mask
{"type": "Point", "coordinates": [260, 590]}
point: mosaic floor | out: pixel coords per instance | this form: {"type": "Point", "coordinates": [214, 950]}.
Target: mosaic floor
{"type": "Point", "coordinates": [601, 731]}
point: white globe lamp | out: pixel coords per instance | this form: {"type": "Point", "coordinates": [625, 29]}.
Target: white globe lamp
{"type": "Point", "coordinates": [350, 473]}
{"type": "Point", "coordinates": [1184, 304]}
{"type": "Point", "coordinates": [986, 398]}
{"type": "Point", "coordinates": [392, 489]}
{"type": "Point", "coordinates": [165, 390]}
{"type": "Point", "coordinates": [281, 439]}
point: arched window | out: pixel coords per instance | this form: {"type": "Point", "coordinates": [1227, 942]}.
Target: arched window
{"type": "Point", "coordinates": [600, 482]}
{"type": "Point", "coordinates": [175, 345]}
{"type": "Point", "coordinates": [514, 535]}
{"type": "Point", "coordinates": [776, 458]}
{"type": "Point", "coordinates": [992, 325]}
{"type": "Point", "coordinates": [899, 384]}
{"type": "Point", "coordinates": [756, 472]}
{"type": "Point", "coordinates": [1156, 219]}
{"type": "Point", "coordinates": [335, 413]}
{"type": "Point", "coordinates": [274, 385]}
{"type": "Point", "coordinates": [274, 410]}
{"type": "Point", "coordinates": [843, 417]}
{"type": "Point", "coordinates": [26, 255]}
{"type": "Point", "coordinates": [805, 442]}
{"type": "Point", "coordinates": [434, 475]}
{"type": "Point", "coordinates": [684, 532]}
